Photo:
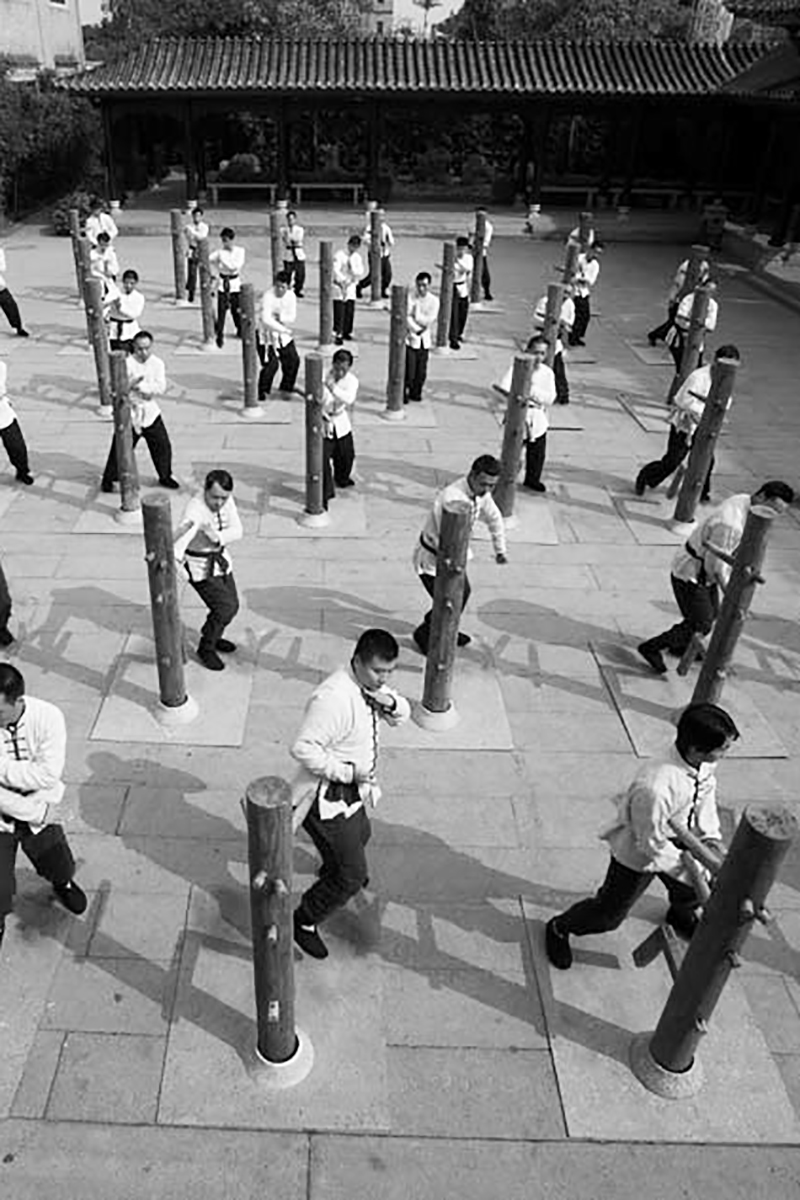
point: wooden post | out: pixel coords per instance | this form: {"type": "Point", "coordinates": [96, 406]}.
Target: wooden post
{"type": "Point", "coordinates": [571, 253]}
{"type": "Point", "coordinates": [98, 336]}
{"type": "Point", "coordinates": [445, 299]}
{"type": "Point", "coordinates": [398, 327]}
{"type": "Point", "coordinates": [762, 840]}
{"type": "Point", "coordinates": [746, 573]}
{"type": "Point", "coordinates": [698, 254]}
{"type": "Point", "coordinates": [585, 230]}
{"type": "Point", "coordinates": [206, 293]}
{"type": "Point", "coordinates": [176, 707]}
{"type": "Point", "coordinates": [130, 511]}
{"type": "Point", "coordinates": [723, 378]}
{"type": "Point", "coordinates": [375, 227]}
{"type": "Point", "coordinates": [268, 808]}
{"type": "Point", "coordinates": [693, 346]}
{"type": "Point", "coordinates": [325, 295]}
{"type": "Point", "coordinates": [247, 309]}
{"type": "Point", "coordinates": [552, 319]}
{"type": "Point", "coordinates": [479, 254]}
{"type": "Point", "coordinates": [513, 435]}
{"type": "Point", "coordinates": [75, 237]}
{"type": "Point", "coordinates": [437, 710]}
{"type": "Point", "coordinates": [315, 515]}
{"type": "Point", "coordinates": [178, 254]}
{"type": "Point", "coordinates": [275, 243]}
{"type": "Point", "coordinates": [85, 274]}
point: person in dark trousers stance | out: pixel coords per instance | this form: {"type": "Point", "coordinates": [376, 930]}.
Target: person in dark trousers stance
{"type": "Point", "coordinates": [675, 792]}
{"type": "Point", "coordinates": [11, 434]}
{"type": "Point", "coordinates": [147, 379]}
{"type": "Point", "coordinates": [339, 394]}
{"type": "Point", "coordinates": [276, 337]}
{"type": "Point", "coordinates": [423, 311]}
{"type": "Point", "coordinates": [7, 302]}
{"type": "Point", "coordinates": [33, 746]}
{"type": "Point", "coordinates": [294, 254]}
{"type": "Point", "coordinates": [348, 268]}
{"type": "Point", "coordinates": [210, 523]}
{"type": "Point", "coordinates": [337, 746]}
{"type": "Point", "coordinates": [584, 283]}
{"type": "Point", "coordinates": [227, 263]}
{"type": "Point", "coordinates": [464, 265]}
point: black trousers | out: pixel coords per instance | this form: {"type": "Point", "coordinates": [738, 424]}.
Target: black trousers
{"type": "Point", "coordinates": [158, 444]}
{"type": "Point", "coordinates": [11, 309]}
{"type": "Point", "coordinates": [660, 332]}
{"type": "Point", "coordinates": [328, 486]}
{"type": "Point", "coordinates": [583, 315]}
{"type": "Point", "coordinates": [341, 842]}
{"type": "Point", "coordinates": [296, 271]}
{"type": "Point", "coordinates": [562, 385]}
{"type": "Point", "coordinates": [48, 852]}
{"type": "Point", "coordinates": [534, 460]}
{"type": "Point", "coordinates": [422, 632]}
{"type": "Point", "coordinates": [344, 312]}
{"type": "Point", "coordinates": [385, 277]}
{"type": "Point", "coordinates": [14, 442]}
{"type": "Point", "coordinates": [618, 893]}
{"type": "Point", "coordinates": [458, 319]}
{"type": "Point", "coordinates": [486, 279]}
{"type": "Point", "coordinates": [226, 301]}
{"type": "Point", "coordinates": [699, 606]}
{"type": "Point", "coordinates": [678, 447]}
{"type": "Point", "coordinates": [192, 265]}
{"type": "Point", "coordinates": [343, 455]}
{"type": "Point", "coordinates": [285, 357]}
{"type": "Point", "coordinates": [222, 601]}
{"type": "Point", "coordinates": [5, 602]}
{"type": "Point", "coordinates": [416, 372]}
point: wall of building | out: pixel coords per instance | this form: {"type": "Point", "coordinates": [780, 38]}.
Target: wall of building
{"type": "Point", "coordinates": [380, 20]}
{"type": "Point", "coordinates": [47, 32]}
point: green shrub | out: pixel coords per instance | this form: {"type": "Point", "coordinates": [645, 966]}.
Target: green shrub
{"type": "Point", "coordinates": [59, 216]}
{"type": "Point", "coordinates": [242, 168]}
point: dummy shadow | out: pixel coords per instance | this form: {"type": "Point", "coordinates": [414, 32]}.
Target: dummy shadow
{"type": "Point", "coordinates": [323, 610]}
{"type": "Point", "coordinates": [394, 474]}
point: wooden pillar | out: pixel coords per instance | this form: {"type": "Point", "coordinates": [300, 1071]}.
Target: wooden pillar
{"type": "Point", "coordinates": [206, 293]}
{"type": "Point", "coordinates": [478, 253]}
{"type": "Point", "coordinates": [373, 153]}
{"type": "Point", "coordinates": [75, 239]}
{"type": "Point", "coordinates": [634, 136]}
{"type": "Point", "coordinates": [398, 328]}
{"type": "Point", "coordinates": [437, 710]}
{"type": "Point", "coordinates": [167, 626]}
{"type": "Point", "coordinates": [247, 308]}
{"type": "Point", "coordinates": [108, 152]}
{"type": "Point", "coordinates": [764, 167]}
{"type": "Point", "coordinates": [571, 252]}
{"type": "Point", "coordinates": [552, 319]}
{"type": "Point", "coordinates": [513, 435]}
{"type": "Point", "coordinates": [315, 514]}
{"type": "Point", "coordinates": [130, 510]}
{"type": "Point", "coordinates": [283, 168]}
{"type": "Point", "coordinates": [375, 223]}
{"type": "Point", "coordinates": [723, 379]}
{"type": "Point", "coordinates": [189, 167]}
{"type": "Point", "coordinates": [445, 299]}
{"type": "Point", "coordinates": [178, 254]}
{"type": "Point", "coordinates": [275, 243]}
{"type": "Point", "coordinates": [84, 274]}
{"type": "Point", "coordinates": [98, 336]}
{"type": "Point", "coordinates": [695, 339]}
{"type": "Point", "coordinates": [325, 295]}
{"type": "Point", "coordinates": [542, 131]}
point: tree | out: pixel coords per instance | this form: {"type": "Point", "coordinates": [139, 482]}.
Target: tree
{"type": "Point", "coordinates": [601, 19]}
{"type": "Point", "coordinates": [427, 7]}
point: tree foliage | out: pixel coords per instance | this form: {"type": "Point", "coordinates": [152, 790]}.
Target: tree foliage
{"type": "Point", "coordinates": [601, 19]}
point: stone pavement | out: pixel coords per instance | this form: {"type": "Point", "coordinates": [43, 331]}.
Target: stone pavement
{"type": "Point", "coordinates": [449, 1061]}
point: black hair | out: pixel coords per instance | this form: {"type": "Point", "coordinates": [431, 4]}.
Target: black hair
{"type": "Point", "coordinates": [129, 273]}
{"type": "Point", "coordinates": [12, 685]}
{"type": "Point", "coordinates": [282, 277]}
{"type": "Point", "coordinates": [728, 351]}
{"type": "Point", "coordinates": [424, 275]}
{"type": "Point", "coordinates": [775, 489]}
{"type": "Point", "coordinates": [354, 239]}
{"type": "Point", "coordinates": [376, 643]}
{"type": "Point", "coordinates": [143, 333]}
{"type": "Point", "coordinates": [197, 209]}
{"type": "Point", "coordinates": [220, 476]}
{"type": "Point", "coordinates": [343, 356]}
{"type": "Point", "coordinates": [227, 232]}
{"type": "Point", "coordinates": [103, 236]}
{"type": "Point", "coordinates": [485, 464]}
{"type": "Point", "coordinates": [705, 727]}
{"type": "Point", "coordinates": [462, 241]}
{"type": "Point", "coordinates": [291, 213]}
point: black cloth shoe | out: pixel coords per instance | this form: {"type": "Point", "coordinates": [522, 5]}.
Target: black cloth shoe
{"type": "Point", "coordinates": [108, 488]}
{"type": "Point", "coordinates": [653, 657]}
{"type": "Point", "coordinates": [225, 647]}
{"type": "Point", "coordinates": [6, 638]}
{"type": "Point", "coordinates": [535, 487]}
{"type": "Point", "coordinates": [2, 929]}
{"type": "Point", "coordinates": [683, 924]}
{"type": "Point", "coordinates": [463, 639]}
{"type": "Point", "coordinates": [420, 642]}
{"type": "Point", "coordinates": [308, 939]}
{"type": "Point", "coordinates": [639, 486]}
{"type": "Point", "coordinates": [557, 946]}
{"type": "Point", "coordinates": [652, 339]}
{"type": "Point", "coordinates": [24, 477]}
{"type": "Point", "coordinates": [347, 483]}
{"type": "Point", "coordinates": [172, 484]}
{"type": "Point", "coordinates": [211, 660]}
{"type": "Point", "coordinates": [23, 333]}
{"type": "Point", "coordinates": [71, 896]}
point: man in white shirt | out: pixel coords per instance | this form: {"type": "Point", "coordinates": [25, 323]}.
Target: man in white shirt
{"type": "Point", "coordinates": [294, 255]}
{"type": "Point", "coordinates": [476, 489]}
{"type": "Point", "coordinates": [338, 397]}
{"type": "Point", "coordinates": [698, 575]}
{"type": "Point", "coordinates": [227, 264]}
{"type": "Point", "coordinates": [104, 264]}
{"type": "Point", "coordinates": [565, 324]}
{"type": "Point", "coordinates": [541, 397]}
{"type": "Point", "coordinates": [147, 379]}
{"type": "Point", "coordinates": [348, 268]}
{"type": "Point", "coordinates": [683, 318]}
{"type": "Point", "coordinates": [337, 749]}
{"type": "Point", "coordinates": [276, 347]}
{"type": "Point", "coordinates": [99, 221]}
{"type": "Point", "coordinates": [11, 435]}
{"type": "Point", "coordinates": [423, 312]}
{"type": "Point", "coordinates": [687, 410]}
{"type": "Point", "coordinates": [586, 273]}
{"type": "Point", "coordinates": [195, 232]}
{"type": "Point", "coordinates": [486, 278]}
{"type": "Point", "coordinates": [386, 244]}
{"type": "Point", "coordinates": [123, 311]}
{"type": "Point", "coordinates": [677, 791]}
{"type": "Point", "coordinates": [7, 302]}
{"type": "Point", "coordinates": [462, 282]}
{"type": "Point", "coordinates": [33, 745]}
{"type": "Point", "coordinates": [676, 294]}
{"type": "Point", "coordinates": [209, 525]}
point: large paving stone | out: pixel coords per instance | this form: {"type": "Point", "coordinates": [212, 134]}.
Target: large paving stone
{"type": "Point", "coordinates": [107, 1077]}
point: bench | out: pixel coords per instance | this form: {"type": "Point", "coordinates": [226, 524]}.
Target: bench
{"type": "Point", "coordinates": [357, 189]}
{"type": "Point", "coordinates": [226, 185]}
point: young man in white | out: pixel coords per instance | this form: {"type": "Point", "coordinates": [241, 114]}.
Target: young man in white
{"type": "Point", "coordinates": [276, 347]}
{"type": "Point", "coordinates": [7, 302]}
{"type": "Point", "coordinates": [541, 397]}
{"type": "Point", "coordinates": [227, 263]}
{"type": "Point", "coordinates": [11, 435]}
{"type": "Point", "coordinates": [586, 274]}
{"type": "Point", "coordinates": [33, 746]}
{"type": "Point", "coordinates": [99, 221]}
{"type": "Point", "coordinates": [348, 268]}
{"type": "Point", "coordinates": [123, 309]}
{"type": "Point", "coordinates": [683, 320]}
{"type": "Point", "coordinates": [210, 523]}
{"type": "Point", "coordinates": [462, 282]}
{"type": "Point", "coordinates": [294, 255]}
{"type": "Point", "coordinates": [476, 489]}
{"type": "Point", "coordinates": [687, 411]}
{"type": "Point", "coordinates": [195, 232]}
{"type": "Point", "coordinates": [565, 324]}
{"type": "Point", "coordinates": [386, 244]}
{"type": "Point", "coordinates": [676, 292]}
{"type": "Point", "coordinates": [147, 378]}
{"type": "Point", "coordinates": [337, 747]}
{"type": "Point", "coordinates": [338, 397]}
{"type": "Point", "coordinates": [104, 263]}
{"type": "Point", "coordinates": [486, 278]}
{"type": "Point", "coordinates": [423, 312]}
{"type": "Point", "coordinates": [677, 791]}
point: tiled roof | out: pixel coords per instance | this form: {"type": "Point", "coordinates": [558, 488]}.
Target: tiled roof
{"type": "Point", "coordinates": [394, 65]}
{"type": "Point", "coordinates": [764, 10]}
{"type": "Point", "coordinates": [777, 75]}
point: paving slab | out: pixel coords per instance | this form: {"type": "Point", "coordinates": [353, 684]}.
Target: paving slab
{"type": "Point", "coordinates": [127, 712]}
{"type": "Point", "coordinates": [285, 505]}
{"type": "Point", "coordinates": [649, 705]}
{"type": "Point", "coordinates": [651, 356]}
{"type": "Point", "coordinates": [107, 1077]}
{"type": "Point", "coordinates": [476, 694]}
{"type": "Point", "coordinates": [533, 523]}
